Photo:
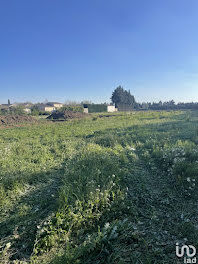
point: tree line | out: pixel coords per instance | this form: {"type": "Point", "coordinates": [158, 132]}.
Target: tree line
{"type": "Point", "coordinates": [125, 101]}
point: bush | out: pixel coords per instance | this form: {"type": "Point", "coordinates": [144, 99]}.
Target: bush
{"type": "Point", "coordinates": [44, 113]}
{"type": "Point", "coordinates": [18, 110]}
{"type": "Point", "coordinates": [35, 110]}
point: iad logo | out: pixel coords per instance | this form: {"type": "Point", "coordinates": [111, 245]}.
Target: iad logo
{"type": "Point", "coordinates": [190, 252]}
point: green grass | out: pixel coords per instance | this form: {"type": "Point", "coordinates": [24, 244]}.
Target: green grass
{"type": "Point", "coordinates": [116, 188]}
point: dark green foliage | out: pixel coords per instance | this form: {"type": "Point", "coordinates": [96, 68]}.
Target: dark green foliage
{"type": "Point", "coordinates": [2, 112]}
{"type": "Point", "coordinates": [122, 99]}
{"type": "Point", "coordinates": [96, 108]}
{"type": "Point", "coordinates": [169, 105]}
{"type": "Point", "coordinates": [35, 111]}
{"type": "Point", "coordinates": [18, 110]}
{"type": "Point", "coordinates": [73, 108]}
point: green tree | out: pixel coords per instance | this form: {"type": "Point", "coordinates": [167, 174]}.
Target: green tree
{"type": "Point", "coordinates": [122, 97]}
{"type": "Point", "coordinates": [35, 110]}
{"type": "Point", "coordinates": [17, 110]}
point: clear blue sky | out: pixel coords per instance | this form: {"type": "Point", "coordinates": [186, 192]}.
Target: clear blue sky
{"type": "Point", "coordinates": [82, 49]}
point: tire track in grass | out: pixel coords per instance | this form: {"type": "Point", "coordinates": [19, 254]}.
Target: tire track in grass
{"type": "Point", "coordinates": [159, 213]}
{"type": "Point", "coordinates": [19, 225]}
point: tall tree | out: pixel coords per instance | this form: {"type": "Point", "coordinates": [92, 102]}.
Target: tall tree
{"type": "Point", "coordinates": [122, 97]}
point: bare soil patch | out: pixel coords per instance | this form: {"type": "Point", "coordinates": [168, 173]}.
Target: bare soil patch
{"type": "Point", "coordinates": [66, 115]}
{"type": "Point", "coordinates": [7, 120]}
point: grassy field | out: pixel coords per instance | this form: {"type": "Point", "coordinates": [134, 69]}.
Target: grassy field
{"type": "Point", "coordinates": [116, 188]}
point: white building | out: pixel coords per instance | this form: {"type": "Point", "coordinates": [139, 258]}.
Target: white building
{"type": "Point", "coordinates": [55, 104]}
{"type": "Point", "coordinates": [111, 109]}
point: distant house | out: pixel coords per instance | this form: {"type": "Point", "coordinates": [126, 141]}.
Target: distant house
{"type": "Point", "coordinates": [49, 107]}
{"type": "Point", "coordinates": [26, 107]}
{"type": "Point", "coordinates": [6, 107]}
{"type": "Point", "coordinates": [55, 104]}
{"type": "Point", "coordinates": [46, 108]}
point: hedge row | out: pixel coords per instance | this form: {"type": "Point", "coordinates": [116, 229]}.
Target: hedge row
{"type": "Point", "coordinates": [94, 108]}
{"type": "Point", "coordinates": [73, 108]}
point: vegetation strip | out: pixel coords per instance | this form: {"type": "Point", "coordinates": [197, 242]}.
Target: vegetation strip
{"type": "Point", "coordinates": [121, 189]}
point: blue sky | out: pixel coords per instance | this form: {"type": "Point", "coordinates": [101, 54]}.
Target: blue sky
{"type": "Point", "coordinates": [74, 50]}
